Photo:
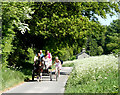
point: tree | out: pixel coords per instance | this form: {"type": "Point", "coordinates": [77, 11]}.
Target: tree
{"type": "Point", "coordinates": [14, 15]}
{"type": "Point", "coordinates": [112, 37]}
{"type": "Point", "coordinates": [68, 23]}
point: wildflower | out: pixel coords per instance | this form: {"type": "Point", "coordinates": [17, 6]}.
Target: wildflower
{"type": "Point", "coordinates": [114, 86]}
{"type": "Point", "coordinates": [105, 77]}
{"type": "Point", "coordinates": [99, 77]}
{"type": "Point", "coordinates": [8, 66]}
{"type": "Point", "coordinates": [93, 76]}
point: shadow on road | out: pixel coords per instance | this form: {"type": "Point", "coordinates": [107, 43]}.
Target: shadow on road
{"type": "Point", "coordinates": [47, 78]}
{"type": "Point", "coordinates": [62, 73]}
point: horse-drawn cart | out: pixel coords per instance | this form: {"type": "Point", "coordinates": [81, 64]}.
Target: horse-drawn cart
{"type": "Point", "coordinates": [40, 71]}
{"type": "Point", "coordinates": [43, 68]}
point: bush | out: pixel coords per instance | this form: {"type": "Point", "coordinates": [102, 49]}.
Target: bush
{"type": "Point", "coordinates": [64, 53]}
{"type": "Point", "coordinates": [30, 56]}
{"type": "Point", "coordinates": [100, 50]}
{"type": "Point", "coordinates": [72, 58]}
{"type": "Point", "coordinates": [68, 65]}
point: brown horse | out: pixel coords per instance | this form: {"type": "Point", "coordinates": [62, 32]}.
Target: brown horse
{"type": "Point", "coordinates": [39, 69]}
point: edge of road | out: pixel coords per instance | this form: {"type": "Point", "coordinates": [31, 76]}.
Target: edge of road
{"type": "Point", "coordinates": [11, 87]}
{"type": "Point", "coordinates": [16, 85]}
{"type": "Point", "coordinates": [30, 79]}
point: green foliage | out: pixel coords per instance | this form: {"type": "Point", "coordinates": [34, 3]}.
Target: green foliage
{"type": "Point", "coordinates": [112, 37]}
{"type": "Point", "coordinates": [30, 56]}
{"type": "Point", "coordinates": [68, 65]}
{"type": "Point", "coordinates": [70, 24]}
{"type": "Point", "coordinates": [14, 15]}
{"type": "Point", "coordinates": [13, 75]}
{"type": "Point", "coordinates": [64, 53]}
{"type": "Point", "coordinates": [72, 58]}
{"type": "Point", "coordinates": [100, 50]}
{"type": "Point", "coordinates": [7, 47]}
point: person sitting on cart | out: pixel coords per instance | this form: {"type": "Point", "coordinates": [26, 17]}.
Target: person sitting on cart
{"type": "Point", "coordinates": [58, 66]}
{"type": "Point", "coordinates": [38, 66]}
{"type": "Point", "coordinates": [50, 57]}
{"type": "Point", "coordinates": [41, 54]}
{"type": "Point", "coordinates": [46, 61]}
{"type": "Point", "coordinates": [37, 61]}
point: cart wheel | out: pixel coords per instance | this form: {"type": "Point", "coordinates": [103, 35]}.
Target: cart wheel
{"type": "Point", "coordinates": [50, 76]}
{"type": "Point", "coordinates": [33, 74]}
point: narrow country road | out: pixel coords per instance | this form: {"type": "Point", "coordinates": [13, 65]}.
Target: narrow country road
{"type": "Point", "coordinates": [45, 86]}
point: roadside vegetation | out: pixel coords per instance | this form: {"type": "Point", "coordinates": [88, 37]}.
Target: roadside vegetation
{"type": "Point", "coordinates": [97, 74]}
{"type": "Point", "coordinates": [68, 65]}
{"type": "Point", "coordinates": [11, 77]}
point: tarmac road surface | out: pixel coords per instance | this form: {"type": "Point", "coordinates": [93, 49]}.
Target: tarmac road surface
{"type": "Point", "coordinates": [45, 86]}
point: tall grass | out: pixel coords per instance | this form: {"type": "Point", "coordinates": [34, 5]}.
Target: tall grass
{"type": "Point", "coordinates": [94, 75]}
{"type": "Point", "coordinates": [11, 77]}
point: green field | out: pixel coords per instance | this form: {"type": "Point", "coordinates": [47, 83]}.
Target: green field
{"type": "Point", "coordinates": [97, 74]}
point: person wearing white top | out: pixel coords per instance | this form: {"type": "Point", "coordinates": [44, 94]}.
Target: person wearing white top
{"type": "Point", "coordinates": [37, 60]}
{"type": "Point", "coordinates": [58, 65]}
{"type": "Point", "coordinates": [47, 61]}
{"type": "Point", "coordinates": [37, 64]}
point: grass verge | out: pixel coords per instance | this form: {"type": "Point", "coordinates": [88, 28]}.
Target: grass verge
{"type": "Point", "coordinates": [11, 75]}
{"type": "Point", "coordinates": [11, 78]}
{"type": "Point", "coordinates": [68, 65]}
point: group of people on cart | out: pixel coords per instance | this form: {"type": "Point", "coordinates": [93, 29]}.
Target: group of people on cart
{"type": "Point", "coordinates": [46, 59]}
